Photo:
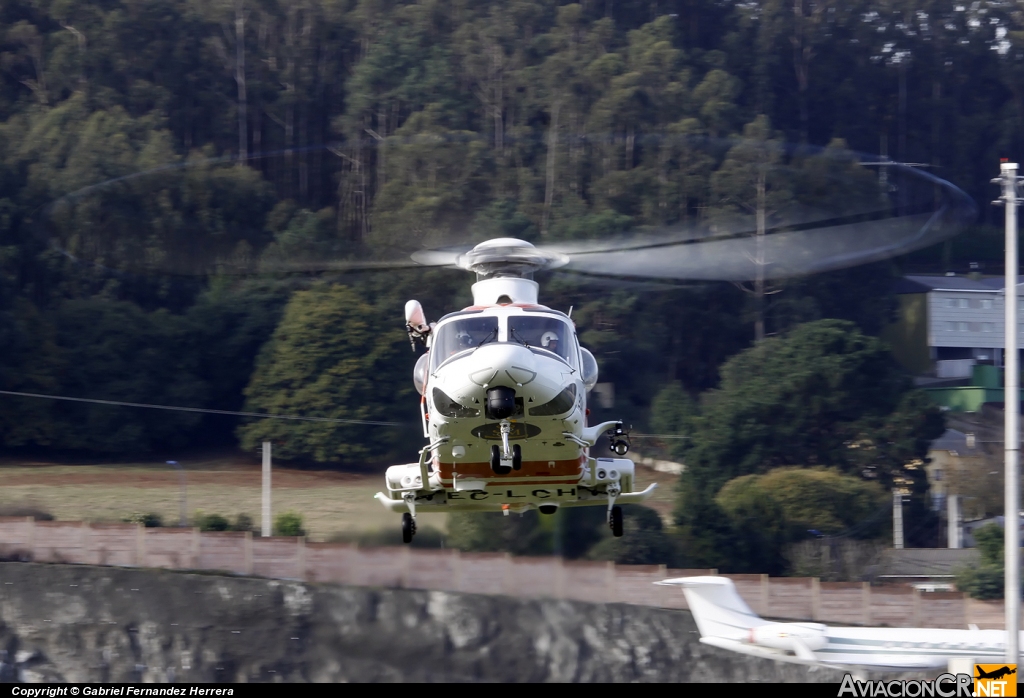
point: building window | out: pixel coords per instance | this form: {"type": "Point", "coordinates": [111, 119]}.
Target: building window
{"type": "Point", "coordinates": [986, 327]}
{"type": "Point", "coordinates": [962, 326]}
{"type": "Point", "coordinates": [986, 304]}
{"type": "Point", "coordinates": [950, 327]}
{"type": "Point", "coordinates": [951, 302]}
{"type": "Point", "coordinates": [963, 302]}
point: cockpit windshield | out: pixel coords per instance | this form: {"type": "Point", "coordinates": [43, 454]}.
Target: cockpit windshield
{"type": "Point", "coordinates": [460, 335]}
{"type": "Point", "coordinates": [542, 332]}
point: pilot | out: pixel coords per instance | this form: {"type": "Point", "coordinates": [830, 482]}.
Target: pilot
{"type": "Point", "coordinates": [550, 341]}
{"type": "Point", "coordinates": [464, 341]}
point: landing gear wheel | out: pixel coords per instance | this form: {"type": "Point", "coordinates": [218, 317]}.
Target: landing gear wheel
{"type": "Point", "coordinates": [517, 457]}
{"type": "Point", "coordinates": [615, 521]}
{"type": "Point", "coordinates": [408, 528]}
{"type": "Point", "coordinates": [496, 465]}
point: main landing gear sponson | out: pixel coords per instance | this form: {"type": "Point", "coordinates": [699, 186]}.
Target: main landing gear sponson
{"type": "Point", "coordinates": [408, 528]}
{"type": "Point", "coordinates": [615, 521]}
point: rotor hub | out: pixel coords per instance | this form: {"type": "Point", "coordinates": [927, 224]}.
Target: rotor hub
{"type": "Point", "coordinates": [509, 257]}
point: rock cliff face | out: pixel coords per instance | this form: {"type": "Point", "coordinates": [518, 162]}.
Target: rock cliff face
{"type": "Point", "coordinates": [99, 624]}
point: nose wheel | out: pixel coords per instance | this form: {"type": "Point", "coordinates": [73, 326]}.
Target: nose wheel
{"type": "Point", "coordinates": [408, 528]}
{"type": "Point", "coordinates": [502, 464]}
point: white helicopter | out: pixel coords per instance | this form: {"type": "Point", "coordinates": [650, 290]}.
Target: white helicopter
{"type": "Point", "coordinates": [503, 390]}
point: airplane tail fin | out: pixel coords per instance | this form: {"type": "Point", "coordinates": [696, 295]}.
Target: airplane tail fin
{"type": "Point", "coordinates": [717, 607]}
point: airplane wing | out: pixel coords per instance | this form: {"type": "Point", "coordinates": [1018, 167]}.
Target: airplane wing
{"type": "Point", "coordinates": [756, 651]}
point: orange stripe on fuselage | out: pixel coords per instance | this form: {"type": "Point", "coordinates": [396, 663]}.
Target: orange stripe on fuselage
{"type": "Point", "coordinates": [531, 468]}
{"type": "Point", "coordinates": [448, 484]}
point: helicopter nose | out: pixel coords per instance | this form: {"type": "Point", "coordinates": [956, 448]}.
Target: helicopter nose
{"type": "Point", "coordinates": [507, 365]}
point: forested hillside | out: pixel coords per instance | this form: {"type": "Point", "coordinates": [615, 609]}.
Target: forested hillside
{"type": "Point", "coordinates": [166, 166]}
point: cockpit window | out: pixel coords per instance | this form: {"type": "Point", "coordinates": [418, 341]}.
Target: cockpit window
{"type": "Point", "coordinates": [461, 335]}
{"type": "Point", "coordinates": [542, 332]}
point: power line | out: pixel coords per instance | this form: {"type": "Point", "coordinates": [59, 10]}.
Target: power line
{"type": "Point", "coordinates": [658, 436]}
{"type": "Point", "coordinates": [196, 409]}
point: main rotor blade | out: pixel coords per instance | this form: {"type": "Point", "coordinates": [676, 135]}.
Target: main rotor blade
{"type": "Point", "coordinates": [785, 250]}
{"type": "Point", "coordinates": [774, 256]}
{"type": "Point", "coordinates": [836, 217]}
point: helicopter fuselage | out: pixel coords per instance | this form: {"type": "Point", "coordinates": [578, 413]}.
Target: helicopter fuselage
{"type": "Point", "coordinates": [548, 394]}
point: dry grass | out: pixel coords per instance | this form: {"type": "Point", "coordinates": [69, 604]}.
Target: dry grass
{"type": "Point", "coordinates": [330, 502]}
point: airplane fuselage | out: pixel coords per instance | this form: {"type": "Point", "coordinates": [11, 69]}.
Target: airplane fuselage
{"type": "Point", "coordinates": [726, 621]}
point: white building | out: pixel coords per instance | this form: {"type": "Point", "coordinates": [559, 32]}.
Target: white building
{"type": "Point", "coordinates": [949, 323]}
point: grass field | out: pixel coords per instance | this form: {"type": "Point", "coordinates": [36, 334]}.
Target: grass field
{"type": "Point", "coordinates": [330, 502]}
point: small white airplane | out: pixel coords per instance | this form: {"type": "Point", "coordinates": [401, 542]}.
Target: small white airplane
{"type": "Point", "coordinates": [724, 620]}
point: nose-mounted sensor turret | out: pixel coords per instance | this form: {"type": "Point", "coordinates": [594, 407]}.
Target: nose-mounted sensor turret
{"type": "Point", "coordinates": [501, 403]}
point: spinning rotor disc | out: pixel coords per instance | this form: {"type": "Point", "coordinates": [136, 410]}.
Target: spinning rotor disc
{"type": "Point", "coordinates": [815, 212]}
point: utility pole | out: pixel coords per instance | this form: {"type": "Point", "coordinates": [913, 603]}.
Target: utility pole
{"type": "Point", "coordinates": [954, 532]}
{"type": "Point", "coordinates": [1011, 400]}
{"type": "Point", "coordinates": [266, 530]}
{"type": "Point", "coordinates": [897, 518]}
{"type": "Point", "coordinates": [182, 499]}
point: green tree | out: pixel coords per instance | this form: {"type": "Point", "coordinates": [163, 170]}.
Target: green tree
{"type": "Point", "coordinates": [226, 326]}
{"type": "Point", "coordinates": [753, 191]}
{"type": "Point", "coordinates": [818, 499]}
{"type": "Point", "coordinates": [786, 505]}
{"type": "Point", "coordinates": [113, 350]}
{"type": "Point", "coordinates": [31, 362]}
{"type": "Point", "coordinates": [986, 580]}
{"type": "Point", "coordinates": [326, 359]}
{"type": "Point", "coordinates": [758, 524]}
{"type": "Point", "coordinates": [824, 394]}
{"type": "Point", "coordinates": [436, 173]}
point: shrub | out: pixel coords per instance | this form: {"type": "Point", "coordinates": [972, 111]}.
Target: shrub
{"type": "Point", "coordinates": [986, 580]}
{"type": "Point", "coordinates": [22, 510]}
{"type": "Point", "coordinates": [289, 524]}
{"type": "Point", "coordinates": [982, 582]}
{"type": "Point", "coordinates": [243, 522]}
{"type": "Point", "coordinates": [644, 540]}
{"type": "Point", "coordinates": [150, 520]}
{"type": "Point", "coordinates": [426, 537]}
{"type": "Point", "coordinates": [211, 522]}
{"type": "Point", "coordinates": [989, 540]}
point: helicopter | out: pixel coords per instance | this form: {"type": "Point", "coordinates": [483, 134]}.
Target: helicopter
{"type": "Point", "coordinates": [503, 396]}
